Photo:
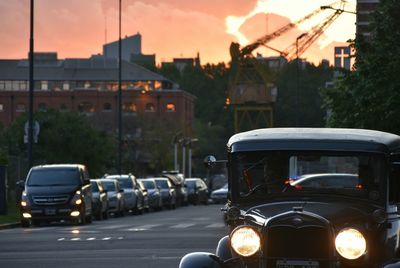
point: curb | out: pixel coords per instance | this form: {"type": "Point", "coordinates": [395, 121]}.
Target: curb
{"type": "Point", "coordinates": [10, 225]}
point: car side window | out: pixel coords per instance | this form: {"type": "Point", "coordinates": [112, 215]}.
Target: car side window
{"type": "Point", "coordinates": [394, 180]}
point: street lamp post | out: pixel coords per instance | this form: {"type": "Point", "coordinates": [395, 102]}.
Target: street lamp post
{"type": "Point", "coordinates": [297, 106]}
{"type": "Point", "coordinates": [119, 96]}
{"type": "Point", "coordinates": [31, 86]}
{"type": "Point", "coordinates": [190, 141]}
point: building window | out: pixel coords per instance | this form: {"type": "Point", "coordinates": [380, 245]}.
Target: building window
{"type": "Point", "coordinates": [44, 85]}
{"type": "Point", "coordinates": [170, 107]}
{"type": "Point", "coordinates": [1, 107]}
{"type": "Point", "coordinates": [23, 85]}
{"type": "Point", "coordinates": [8, 85]}
{"type": "Point", "coordinates": [65, 86]}
{"type": "Point", "coordinates": [15, 85]}
{"type": "Point", "coordinates": [86, 107]}
{"type": "Point", "coordinates": [107, 107]}
{"type": "Point", "coordinates": [20, 108]}
{"type": "Point", "coordinates": [150, 107]}
{"type": "Point", "coordinates": [129, 107]}
{"type": "Point", "coordinates": [43, 107]}
{"type": "Point", "coordinates": [2, 85]}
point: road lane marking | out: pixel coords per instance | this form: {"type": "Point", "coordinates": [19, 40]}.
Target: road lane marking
{"type": "Point", "coordinates": [109, 227]}
{"type": "Point", "coordinates": [106, 238]}
{"type": "Point", "coordinates": [182, 225]}
{"type": "Point", "coordinates": [76, 239]}
{"type": "Point", "coordinates": [215, 225]}
{"type": "Point", "coordinates": [143, 227]}
{"type": "Point", "coordinates": [91, 238]}
{"type": "Point", "coordinates": [61, 239]}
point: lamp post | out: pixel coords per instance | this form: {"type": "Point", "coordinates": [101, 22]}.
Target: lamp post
{"type": "Point", "coordinates": [190, 141]}
{"type": "Point", "coordinates": [119, 96]}
{"type": "Point", "coordinates": [31, 86]}
{"type": "Point", "coordinates": [297, 106]}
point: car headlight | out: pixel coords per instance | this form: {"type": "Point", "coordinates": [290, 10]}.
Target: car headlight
{"type": "Point", "coordinates": [350, 243]}
{"type": "Point", "coordinates": [77, 199]}
{"type": "Point", "coordinates": [245, 241]}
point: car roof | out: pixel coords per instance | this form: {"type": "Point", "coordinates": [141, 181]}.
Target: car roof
{"type": "Point", "coordinates": [314, 138]}
{"type": "Point", "coordinates": [193, 179]}
{"type": "Point", "coordinates": [57, 166]}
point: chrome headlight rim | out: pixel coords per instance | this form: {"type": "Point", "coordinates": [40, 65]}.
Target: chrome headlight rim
{"type": "Point", "coordinates": [238, 239]}
{"type": "Point", "coordinates": [351, 235]}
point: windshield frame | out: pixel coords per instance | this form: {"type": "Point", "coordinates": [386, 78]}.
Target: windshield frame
{"type": "Point", "coordinates": [237, 197]}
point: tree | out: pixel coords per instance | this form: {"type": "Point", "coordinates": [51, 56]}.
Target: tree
{"type": "Point", "coordinates": [65, 137]}
{"type": "Point", "coordinates": [309, 109]}
{"type": "Point", "coordinates": [369, 97]}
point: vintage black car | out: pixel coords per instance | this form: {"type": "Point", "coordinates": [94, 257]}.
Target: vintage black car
{"type": "Point", "coordinates": [347, 216]}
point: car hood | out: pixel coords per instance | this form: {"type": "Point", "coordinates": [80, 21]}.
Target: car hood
{"type": "Point", "coordinates": [220, 191]}
{"type": "Point", "coordinates": [336, 213]}
{"type": "Point", "coordinates": [53, 190]}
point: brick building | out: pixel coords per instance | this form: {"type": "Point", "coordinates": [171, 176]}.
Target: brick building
{"type": "Point", "coordinates": [90, 86]}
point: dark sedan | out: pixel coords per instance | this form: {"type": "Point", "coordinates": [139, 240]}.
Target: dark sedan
{"type": "Point", "coordinates": [197, 191]}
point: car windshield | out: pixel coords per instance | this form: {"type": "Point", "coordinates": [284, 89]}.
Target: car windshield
{"type": "Point", "coordinates": [149, 184]}
{"type": "Point", "coordinates": [109, 185]}
{"type": "Point", "coordinates": [190, 184]}
{"type": "Point", "coordinates": [53, 177]}
{"type": "Point", "coordinates": [94, 186]}
{"type": "Point", "coordinates": [163, 184]}
{"type": "Point", "coordinates": [264, 174]}
{"type": "Point", "coordinates": [125, 183]}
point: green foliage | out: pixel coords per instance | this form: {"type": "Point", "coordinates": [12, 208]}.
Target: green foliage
{"type": "Point", "coordinates": [302, 99]}
{"type": "Point", "coordinates": [213, 121]}
{"type": "Point", "coordinates": [65, 137]}
{"type": "Point", "coordinates": [369, 97]}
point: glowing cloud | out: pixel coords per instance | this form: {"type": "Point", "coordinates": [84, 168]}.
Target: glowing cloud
{"type": "Point", "coordinates": [341, 30]}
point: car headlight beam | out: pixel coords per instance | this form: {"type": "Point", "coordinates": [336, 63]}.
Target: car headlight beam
{"type": "Point", "coordinates": [245, 241]}
{"type": "Point", "coordinates": [350, 243]}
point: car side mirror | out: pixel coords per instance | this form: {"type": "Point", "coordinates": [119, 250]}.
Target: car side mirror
{"type": "Point", "coordinates": [209, 161]}
{"type": "Point", "coordinates": [20, 184]}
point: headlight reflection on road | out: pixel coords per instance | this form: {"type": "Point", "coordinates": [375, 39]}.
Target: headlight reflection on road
{"type": "Point", "coordinates": [75, 231]}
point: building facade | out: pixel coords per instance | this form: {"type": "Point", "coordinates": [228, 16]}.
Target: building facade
{"type": "Point", "coordinates": [90, 87]}
{"type": "Point", "coordinates": [364, 10]}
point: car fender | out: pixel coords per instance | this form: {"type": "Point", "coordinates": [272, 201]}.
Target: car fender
{"type": "Point", "coordinates": [200, 260]}
{"type": "Point", "coordinates": [223, 249]}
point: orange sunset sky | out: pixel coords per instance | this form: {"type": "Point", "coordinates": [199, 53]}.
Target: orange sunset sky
{"type": "Point", "coordinates": [169, 28]}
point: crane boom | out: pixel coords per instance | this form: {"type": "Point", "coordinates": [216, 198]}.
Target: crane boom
{"type": "Point", "coordinates": [265, 39]}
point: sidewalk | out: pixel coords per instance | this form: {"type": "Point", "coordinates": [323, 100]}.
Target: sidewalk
{"type": "Point", "coordinates": [9, 225]}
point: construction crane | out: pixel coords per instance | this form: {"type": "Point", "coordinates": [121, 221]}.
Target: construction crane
{"type": "Point", "coordinates": [251, 91]}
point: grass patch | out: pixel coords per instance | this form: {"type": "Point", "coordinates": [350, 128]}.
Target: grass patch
{"type": "Point", "coordinates": [12, 215]}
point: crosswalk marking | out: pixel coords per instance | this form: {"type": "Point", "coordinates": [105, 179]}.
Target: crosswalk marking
{"type": "Point", "coordinates": [182, 225]}
{"type": "Point", "coordinates": [215, 225]}
{"type": "Point", "coordinates": [143, 227]}
{"type": "Point", "coordinates": [110, 227]}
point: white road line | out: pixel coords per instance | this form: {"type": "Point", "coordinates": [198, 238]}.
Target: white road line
{"type": "Point", "coordinates": [76, 239]}
{"type": "Point", "coordinates": [109, 227]}
{"type": "Point", "coordinates": [143, 227]}
{"type": "Point", "coordinates": [61, 239]}
{"type": "Point", "coordinates": [106, 238]}
{"type": "Point", "coordinates": [91, 238]}
{"type": "Point", "coordinates": [182, 225]}
{"type": "Point", "coordinates": [215, 225]}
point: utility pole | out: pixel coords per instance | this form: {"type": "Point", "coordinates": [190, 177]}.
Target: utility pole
{"type": "Point", "coordinates": [119, 96]}
{"type": "Point", "coordinates": [31, 87]}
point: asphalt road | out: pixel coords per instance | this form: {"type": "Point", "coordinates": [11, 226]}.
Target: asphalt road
{"type": "Point", "coordinates": [157, 239]}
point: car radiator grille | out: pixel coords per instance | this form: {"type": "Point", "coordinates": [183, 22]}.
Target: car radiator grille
{"type": "Point", "coordinates": [306, 242]}
{"type": "Point", "coordinates": [50, 200]}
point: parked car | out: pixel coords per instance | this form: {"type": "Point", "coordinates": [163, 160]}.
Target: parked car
{"type": "Point", "coordinates": [178, 181]}
{"type": "Point", "coordinates": [197, 191]}
{"type": "Point", "coordinates": [220, 195]}
{"type": "Point", "coordinates": [133, 196]}
{"type": "Point", "coordinates": [56, 192]}
{"type": "Point", "coordinates": [146, 206]}
{"type": "Point", "coordinates": [347, 217]}
{"type": "Point", "coordinates": [116, 200]}
{"type": "Point", "coordinates": [99, 199]}
{"type": "Point", "coordinates": [153, 192]}
{"type": "Point", "coordinates": [168, 194]}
